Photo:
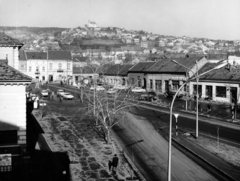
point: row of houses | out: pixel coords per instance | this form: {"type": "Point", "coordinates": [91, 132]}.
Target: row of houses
{"type": "Point", "coordinates": [220, 84]}
{"type": "Point", "coordinates": [160, 76]}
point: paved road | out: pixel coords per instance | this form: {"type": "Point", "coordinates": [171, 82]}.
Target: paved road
{"type": "Point", "coordinates": [151, 155]}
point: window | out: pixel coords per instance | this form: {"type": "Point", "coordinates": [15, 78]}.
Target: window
{"type": "Point", "coordinates": [139, 81]}
{"type": "Point", "coordinates": [50, 66]}
{"type": "Point", "coordinates": [43, 77]}
{"type": "Point", "coordinates": [158, 85]}
{"type": "Point", "coordinates": [22, 67]}
{"type": "Point", "coordinates": [221, 91]}
{"type": "Point", "coordinates": [37, 68]}
{"type": "Point", "coordinates": [199, 90]}
{"type": "Point", "coordinates": [43, 69]}
{"type": "Point", "coordinates": [175, 84]}
{"type": "Point", "coordinates": [30, 68]}
{"type": "Point", "coordinates": [59, 66]}
{"type": "Point", "coordinates": [132, 81]}
{"type": "Point", "coordinates": [151, 84]}
{"type": "Point", "coordinates": [69, 66]}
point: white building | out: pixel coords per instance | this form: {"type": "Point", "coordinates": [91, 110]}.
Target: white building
{"type": "Point", "coordinates": [47, 66]}
{"type": "Point", "coordinates": [9, 49]}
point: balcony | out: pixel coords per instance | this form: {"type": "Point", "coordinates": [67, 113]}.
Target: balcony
{"type": "Point", "coordinates": [59, 70]}
{"type": "Point", "coordinates": [37, 72]}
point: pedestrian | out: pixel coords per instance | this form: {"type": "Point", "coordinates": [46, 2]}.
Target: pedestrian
{"type": "Point", "coordinates": [60, 99]}
{"type": "Point", "coordinates": [209, 108]}
{"type": "Point", "coordinates": [114, 163]}
{"type": "Point", "coordinates": [49, 95]}
{"type": "Point", "coordinates": [110, 165]}
{"type": "Point", "coordinates": [52, 95]}
{"type": "Point", "coordinates": [233, 106]}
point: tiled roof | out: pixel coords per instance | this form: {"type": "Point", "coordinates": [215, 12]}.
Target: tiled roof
{"type": "Point", "coordinates": [59, 55]}
{"type": "Point", "coordinates": [83, 70]}
{"type": "Point", "coordinates": [222, 74]}
{"type": "Point", "coordinates": [36, 55]}
{"type": "Point", "coordinates": [9, 74]}
{"type": "Point", "coordinates": [167, 65]}
{"type": "Point", "coordinates": [125, 69]}
{"type": "Point", "coordinates": [5, 40]}
{"type": "Point", "coordinates": [141, 67]}
{"type": "Point", "coordinates": [114, 70]}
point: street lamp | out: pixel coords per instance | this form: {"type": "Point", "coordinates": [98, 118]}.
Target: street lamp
{"type": "Point", "coordinates": [171, 108]}
{"type": "Point", "coordinates": [196, 90]}
{"type": "Point", "coordinates": [176, 116]}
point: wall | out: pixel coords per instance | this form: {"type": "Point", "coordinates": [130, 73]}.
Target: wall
{"type": "Point", "coordinates": [214, 85]}
{"type": "Point", "coordinates": [45, 63]}
{"type": "Point", "coordinates": [12, 55]}
{"type": "Point", "coordinates": [13, 110]}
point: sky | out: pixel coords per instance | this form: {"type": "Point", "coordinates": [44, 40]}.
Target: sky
{"type": "Point", "coordinates": [214, 19]}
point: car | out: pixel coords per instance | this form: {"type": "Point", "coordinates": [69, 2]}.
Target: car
{"type": "Point", "coordinates": [44, 93]}
{"type": "Point", "coordinates": [138, 89]}
{"type": "Point", "coordinates": [100, 88]}
{"type": "Point", "coordinates": [149, 96]}
{"type": "Point", "coordinates": [67, 95]}
{"type": "Point", "coordinates": [121, 87]}
{"type": "Point", "coordinates": [112, 91]}
{"type": "Point", "coordinates": [60, 92]}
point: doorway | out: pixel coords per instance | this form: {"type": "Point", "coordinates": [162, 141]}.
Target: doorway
{"type": "Point", "coordinates": [233, 94]}
{"type": "Point", "coordinates": [50, 78]}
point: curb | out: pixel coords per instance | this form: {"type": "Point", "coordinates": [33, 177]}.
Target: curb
{"type": "Point", "coordinates": [201, 158]}
{"type": "Point", "coordinates": [132, 165]}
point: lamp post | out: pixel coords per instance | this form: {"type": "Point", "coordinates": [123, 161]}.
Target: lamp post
{"type": "Point", "coordinates": [197, 79]}
{"type": "Point", "coordinates": [170, 120]}
{"type": "Point", "coordinates": [176, 116]}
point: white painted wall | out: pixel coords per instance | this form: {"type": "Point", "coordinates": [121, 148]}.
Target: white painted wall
{"type": "Point", "coordinates": [12, 54]}
{"type": "Point", "coordinates": [214, 85]}
{"type": "Point", "coordinates": [13, 106]}
{"type": "Point", "coordinates": [48, 70]}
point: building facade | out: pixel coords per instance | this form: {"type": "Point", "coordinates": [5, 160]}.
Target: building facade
{"type": "Point", "coordinates": [9, 49]}
{"type": "Point", "coordinates": [13, 117]}
{"type": "Point", "coordinates": [47, 66]}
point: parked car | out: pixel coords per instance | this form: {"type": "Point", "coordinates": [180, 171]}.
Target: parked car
{"type": "Point", "coordinates": [138, 89]}
{"type": "Point", "coordinates": [149, 96]}
{"type": "Point", "coordinates": [112, 91]}
{"type": "Point", "coordinates": [44, 93]}
{"type": "Point", "coordinates": [121, 87]}
{"type": "Point", "coordinates": [100, 88]}
{"type": "Point", "coordinates": [67, 95]}
{"type": "Point", "coordinates": [60, 92]}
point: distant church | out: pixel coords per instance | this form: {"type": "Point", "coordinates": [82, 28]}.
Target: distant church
{"type": "Point", "coordinates": [92, 24]}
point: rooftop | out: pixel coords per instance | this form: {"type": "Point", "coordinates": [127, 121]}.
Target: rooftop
{"type": "Point", "coordinates": [6, 40]}
{"type": "Point", "coordinates": [9, 74]}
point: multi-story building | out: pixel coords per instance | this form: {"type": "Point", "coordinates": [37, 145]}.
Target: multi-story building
{"type": "Point", "coordinates": [47, 66]}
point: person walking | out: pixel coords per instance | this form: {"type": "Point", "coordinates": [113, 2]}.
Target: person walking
{"type": "Point", "coordinates": [209, 108]}
{"type": "Point", "coordinates": [114, 163]}
{"type": "Point", "coordinates": [110, 165]}
{"type": "Point", "coordinates": [52, 95]}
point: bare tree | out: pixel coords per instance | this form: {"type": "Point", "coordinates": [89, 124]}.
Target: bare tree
{"type": "Point", "coordinates": [106, 110]}
{"type": "Point", "coordinates": [109, 110]}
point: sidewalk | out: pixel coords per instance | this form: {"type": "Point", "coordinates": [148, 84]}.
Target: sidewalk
{"type": "Point", "coordinates": [229, 170]}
